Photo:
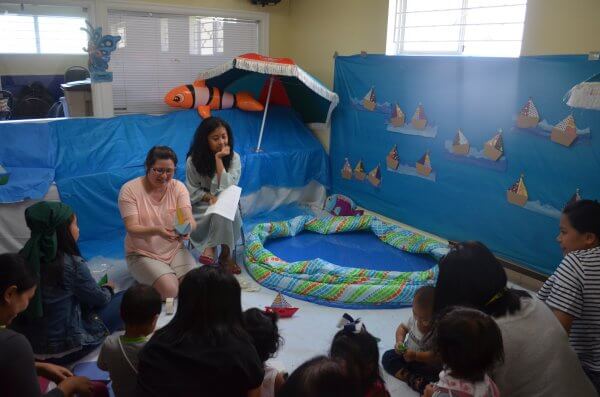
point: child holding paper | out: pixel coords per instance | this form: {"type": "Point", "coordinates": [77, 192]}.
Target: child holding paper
{"type": "Point", "coordinates": [211, 167]}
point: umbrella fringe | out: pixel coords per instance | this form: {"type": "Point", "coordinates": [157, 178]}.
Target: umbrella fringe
{"type": "Point", "coordinates": [213, 72]}
{"type": "Point", "coordinates": [585, 95]}
{"type": "Point", "coordinates": [265, 67]}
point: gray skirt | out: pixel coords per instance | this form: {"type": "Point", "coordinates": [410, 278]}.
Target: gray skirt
{"type": "Point", "coordinates": [214, 230]}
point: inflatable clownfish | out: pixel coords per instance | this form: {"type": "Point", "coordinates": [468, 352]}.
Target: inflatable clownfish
{"type": "Point", "coordinates": [203, 98]}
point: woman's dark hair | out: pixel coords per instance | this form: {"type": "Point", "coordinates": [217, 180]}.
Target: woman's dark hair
{"type": "Point", "coordinates": [584, 216]}
{"type": "Point", "coordinates": [360, 353]}
{"type": "Point", "coordinates": [140, 305]}
{"type": "Point", "coordinates": [159, 153]}
{"type": "Point", "coordinates": [320, 377]}
{"type": "Point", "coordinates": [209, 308]}
{"type": "Point", "coordinates": [52, 273]}
{"type": "Point", "coordinates": [262, 328]}
{"type": "Point", "coordinates": [470, 275]}
{"type": "Point", "coordinates": [14, 270]}
{"type": "Point", "coordinates": [202, 158]}
{"type": "Point", "coordinates": [469, 343]}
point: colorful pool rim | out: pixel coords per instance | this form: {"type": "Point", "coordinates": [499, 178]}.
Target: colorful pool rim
{"type": "Point", "coordinates": [319, 281]}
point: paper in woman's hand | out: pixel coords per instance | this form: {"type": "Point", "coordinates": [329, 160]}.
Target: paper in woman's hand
{"type": "Point", "coordinates": [227, 204]}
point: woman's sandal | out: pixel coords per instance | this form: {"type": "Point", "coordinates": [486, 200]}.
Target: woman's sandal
{"type": "Point", "coordinates": [207, 260]}
{"type": "Point", "coordinates": [230, 265]}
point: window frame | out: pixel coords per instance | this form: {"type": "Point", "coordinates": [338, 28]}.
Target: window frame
{"type": "Point", "coordinates": [393, 48]}
{"type": "Point", "coordinates": [89, 5]}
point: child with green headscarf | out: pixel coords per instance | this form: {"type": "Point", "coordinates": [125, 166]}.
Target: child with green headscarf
{"type": "Point", "coordinates": [69, 315]}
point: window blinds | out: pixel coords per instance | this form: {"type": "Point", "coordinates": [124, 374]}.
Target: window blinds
{"type": "Point", "coordinates": [160, 51]}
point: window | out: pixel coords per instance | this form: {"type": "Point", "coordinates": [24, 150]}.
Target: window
{"type": "Point", "coordinates": [36, 29]}
{"type": "Point", "coordinates": [456, 27]}
{"type": "Point", "coordinates": [160, 51]}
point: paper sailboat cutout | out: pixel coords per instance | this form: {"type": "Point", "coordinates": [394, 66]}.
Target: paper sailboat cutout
{"type": "Point", "coordinates": [359, 171]}
{"type": "Point", "coordinates": [281, 307]}
{"type": "Point", "coordinates": [424, 165]}
{"type": "Point", "coordinates": [181, 227]}
{"type": "Point", "coordinates": [529, 116]}
{"type": "Point", "coordinates": [392, 160]}
{"type": "Point", "coordinates": [494, 148]}
{"type": "Point", "coordinates": [574, 198]}
{"type": "Point", "coordinates": [397, 117]}
{"type": "Point", "coordinates": [460, 144]}
{"type": "Point", "coordinates": [419, 120]}
{"type": "Point", "coordinates": [347, 169]}
{"type": "Point", "coordinates": [564, 132]}
{"type": "Point", "coordinates": [375, 176]}
{"type": "Point", "coordinates": [517, 193]}
{"type": "Point", "coordinates": [369, 101]}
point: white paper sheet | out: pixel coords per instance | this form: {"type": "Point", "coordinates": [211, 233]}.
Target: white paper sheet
{"type": "Point", "coordinates": [227, 203]}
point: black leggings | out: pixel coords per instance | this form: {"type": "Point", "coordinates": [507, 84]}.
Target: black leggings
{"type": "Point", "coordinates": [419, 375]}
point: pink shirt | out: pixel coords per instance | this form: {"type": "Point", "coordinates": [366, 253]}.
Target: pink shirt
{"type": "Point", "coordinates": [134, 200]}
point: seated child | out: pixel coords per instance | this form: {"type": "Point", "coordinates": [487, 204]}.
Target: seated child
{"type": "Point", "coordinates": [262, 328]}
{"type": "Point", "coordinates": [140, 309]}
{"type": "Point", "coordinates": [469, 343]}
{"type": "Point", "coordinates": [357, 349]}
{"type": "Point", "coordinates": [412, 360]}
{"type": "Point", "coordinates": [320, 377]}
{"type": "Point", "coordinates": [573, 291]}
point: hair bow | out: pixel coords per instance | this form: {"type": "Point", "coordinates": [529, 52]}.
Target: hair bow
{"type": "Point", "coordinates": [350, 325]}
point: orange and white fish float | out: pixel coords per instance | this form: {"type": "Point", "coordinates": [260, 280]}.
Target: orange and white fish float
{"type": "Point", "coordinates": [205, 99]}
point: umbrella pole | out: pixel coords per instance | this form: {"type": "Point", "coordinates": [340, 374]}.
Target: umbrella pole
{"type": "Point", "coordinates": [262, 126]}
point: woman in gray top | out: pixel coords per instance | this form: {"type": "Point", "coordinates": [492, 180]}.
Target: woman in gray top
{"type": "Point", "coordinates": [538, 361]}
{"type": "Point", "coordinates": [211, 167]}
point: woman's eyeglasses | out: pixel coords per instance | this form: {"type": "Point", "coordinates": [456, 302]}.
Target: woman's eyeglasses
{"type": "Point", "coordinates": [160, 171]}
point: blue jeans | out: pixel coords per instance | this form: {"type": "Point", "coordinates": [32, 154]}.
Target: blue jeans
{"type": "Point", "coordinates": [110, 316]}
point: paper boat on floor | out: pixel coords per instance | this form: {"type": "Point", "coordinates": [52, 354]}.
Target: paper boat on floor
{"type": "Point", "coordinates": [281, 307]}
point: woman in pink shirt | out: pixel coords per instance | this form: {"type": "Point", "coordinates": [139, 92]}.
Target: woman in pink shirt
{"type": "Point", "coordinates": [155, 254]}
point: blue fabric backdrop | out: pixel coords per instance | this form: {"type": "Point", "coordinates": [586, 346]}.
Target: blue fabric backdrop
{"type": "Point", "coordinates": [478, 95]}
{"type": "Point", "coordinates": [28, 152]}
{"type": "Point", "coordinates": [96, 157]}
{"type": "Point", "coordinates": [92, 158]}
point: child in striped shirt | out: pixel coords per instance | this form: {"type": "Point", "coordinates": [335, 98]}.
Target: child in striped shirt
{"type": "Point", "coordinates": [573, 291]}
